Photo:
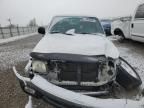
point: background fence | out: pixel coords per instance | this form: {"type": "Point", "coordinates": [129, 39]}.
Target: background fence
{"type": "Point", "coordinates": [6, 32]}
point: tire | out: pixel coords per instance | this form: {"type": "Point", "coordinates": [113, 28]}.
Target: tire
{"type": "Point", "coordinates": [122, 37]}
{"type": "Point", "coordinates": [125, 79]}
{"type": "Point", "coordinates": [119, 33]}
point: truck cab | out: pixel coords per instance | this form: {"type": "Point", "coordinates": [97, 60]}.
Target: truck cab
{"type": "Point", "coordinates": [137, 24]}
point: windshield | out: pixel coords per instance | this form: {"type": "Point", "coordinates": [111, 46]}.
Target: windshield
{"type": "Point", "coordinates": [81, 25]}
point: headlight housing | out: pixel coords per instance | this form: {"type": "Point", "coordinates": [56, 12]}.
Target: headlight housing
{"type": "Point", "coordinates": [39, 66]}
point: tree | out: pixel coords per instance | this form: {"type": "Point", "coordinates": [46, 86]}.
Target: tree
{"type": "Point", "coordinates": [32, 22]}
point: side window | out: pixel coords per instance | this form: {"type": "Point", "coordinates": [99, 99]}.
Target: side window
{"type": "Point", "coordinates": [140, 12]}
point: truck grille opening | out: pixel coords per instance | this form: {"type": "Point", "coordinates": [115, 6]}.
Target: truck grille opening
{"type": "Point", "coordinates": [78, 72]}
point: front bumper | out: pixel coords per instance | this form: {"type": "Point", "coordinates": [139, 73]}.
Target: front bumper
{"type": "Point", "coordinates": [63, 98]}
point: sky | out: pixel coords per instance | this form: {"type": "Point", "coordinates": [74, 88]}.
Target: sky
{"type": "Point", "coordinates": [22, 11]}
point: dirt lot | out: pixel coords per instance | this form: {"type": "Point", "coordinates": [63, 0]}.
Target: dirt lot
{"type": "Point", "coordinates": [17, 53]}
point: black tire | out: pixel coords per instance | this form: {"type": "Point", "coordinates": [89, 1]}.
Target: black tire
{"type": "Point", "coordinates": [122, 37]}
{"type": "Point", "coordinates": [119, 33]}
{"type": "Point", "coordinates": [125, 79]}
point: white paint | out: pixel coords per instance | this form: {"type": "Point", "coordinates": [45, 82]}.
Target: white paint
{"type": "Point", "coordinates": [124, 26]}
{"type": "Point", "coordinates": [138, 26]}
{"type": "Point", "coordinates": [83, 44]}
{"type": "Point", "coordinates": [29, 104]}
{"type": "Point", "coordinates": [25, 79]}
{"type": "Point", "coordinates": [27, 67]}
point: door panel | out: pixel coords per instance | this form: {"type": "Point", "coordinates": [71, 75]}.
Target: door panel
{"type": "Point", "coordinates": [137, 26]}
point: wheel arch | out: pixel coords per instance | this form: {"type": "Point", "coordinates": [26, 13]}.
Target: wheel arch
{"type": "Point", "coordinates": [119, 32]}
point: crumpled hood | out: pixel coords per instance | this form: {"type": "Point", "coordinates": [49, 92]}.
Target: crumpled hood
{"type": "Point", "coordinates": [77, 44]}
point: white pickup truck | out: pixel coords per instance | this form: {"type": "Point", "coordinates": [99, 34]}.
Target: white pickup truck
{"type": "Point", "coordinates": [131, 27]}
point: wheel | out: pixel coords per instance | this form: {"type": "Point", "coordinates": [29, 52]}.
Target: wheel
{"type": "Point", "coordinates": [120, 34]}
{"type": "Point", "coordinates": [121, 37]}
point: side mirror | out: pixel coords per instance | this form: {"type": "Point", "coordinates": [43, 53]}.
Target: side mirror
{"type": "Point", "coordinates": [41, 30]}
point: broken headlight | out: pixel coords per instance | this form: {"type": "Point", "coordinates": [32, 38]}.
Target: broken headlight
{"type": "Point", "coordinates": [107, 70]}
{"type": "Point", "coordinates": [39, 66]}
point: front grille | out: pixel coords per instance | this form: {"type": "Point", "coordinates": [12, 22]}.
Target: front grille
{"type": "Point", "coordinates": [78, 72]}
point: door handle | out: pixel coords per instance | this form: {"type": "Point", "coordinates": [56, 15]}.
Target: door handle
{"type": "Point", "coordinates": [132, 25]}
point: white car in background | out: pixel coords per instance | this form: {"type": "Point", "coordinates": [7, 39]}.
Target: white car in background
{"type": "Point", "coordinates": [131, 27]}
{"type": "Point", "coordinates": [75, 66]}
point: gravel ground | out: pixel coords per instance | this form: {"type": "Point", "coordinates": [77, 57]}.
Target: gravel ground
{"type": "Point", "coordinates": [17, 53]}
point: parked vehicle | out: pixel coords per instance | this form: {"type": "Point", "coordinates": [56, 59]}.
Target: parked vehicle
{"type": "Point", "coordinates": [76, 66]}
{"type": "Point", "coordinates": [130, 27]}
{"type": "Point", "coordinates": [107, 26]}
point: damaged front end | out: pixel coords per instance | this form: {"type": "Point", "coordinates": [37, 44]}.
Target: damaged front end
{"type": "Point", "coordinates": [72, 70]}
{"type": "Point", "coordinates": [71, 80]}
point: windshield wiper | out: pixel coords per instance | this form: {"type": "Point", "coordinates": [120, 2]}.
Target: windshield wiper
{"type": "Point", "coordinates": [87, 33]}
{"type": "Point", "coordinates": [91, 33]}
{"type": "Point", "coordinates": [54, 32]}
